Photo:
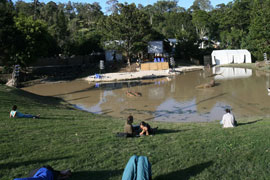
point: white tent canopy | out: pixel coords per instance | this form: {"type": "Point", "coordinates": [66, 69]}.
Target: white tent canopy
{"type": "Point", "coordinates": [230, 56]}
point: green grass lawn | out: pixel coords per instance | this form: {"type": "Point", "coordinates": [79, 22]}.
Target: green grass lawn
{"type": "Point", "coordinates": [86, 143]}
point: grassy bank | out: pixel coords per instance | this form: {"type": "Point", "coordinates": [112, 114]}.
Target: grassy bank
{"type": "Point", "coordinates": [86, 143]}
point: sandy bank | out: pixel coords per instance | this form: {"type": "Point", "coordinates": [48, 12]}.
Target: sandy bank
{"type": "Point", "coordinates": [140, 74]}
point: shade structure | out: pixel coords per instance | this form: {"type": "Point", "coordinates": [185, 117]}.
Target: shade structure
{"type": "Point", "coordinates": [220, 57]}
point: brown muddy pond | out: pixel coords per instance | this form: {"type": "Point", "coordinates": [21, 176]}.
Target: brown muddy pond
{"type": "Point", "coordinates": [172, 99]}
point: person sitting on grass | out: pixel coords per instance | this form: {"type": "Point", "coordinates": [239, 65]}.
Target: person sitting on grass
{"type": "Point", "coordinates": [228, 120]}
{"type": "Point", "coordinates": [128, 129]}
{"type": "Point", "coordinates": [47, 173]}
{"type": "Point", "coordinates": [14, 113]}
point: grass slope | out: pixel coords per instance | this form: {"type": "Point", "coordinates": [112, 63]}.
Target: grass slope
{"type": "Point", "coordinates": [86, 143]}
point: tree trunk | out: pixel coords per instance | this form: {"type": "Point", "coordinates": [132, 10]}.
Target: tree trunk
{"type": "Point", "coordinates": [128, 61]}
{"type": "Point", "coordinates": [128, 58]}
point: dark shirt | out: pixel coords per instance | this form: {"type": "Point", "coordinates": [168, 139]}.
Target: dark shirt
{"type": "Point", "coordinates": [149, 129]}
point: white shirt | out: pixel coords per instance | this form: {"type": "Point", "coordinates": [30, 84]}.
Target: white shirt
{"type": "Point", "coordinates": [227, 120]}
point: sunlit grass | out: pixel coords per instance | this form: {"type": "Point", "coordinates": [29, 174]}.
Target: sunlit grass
{"type": "Point", "coordinates": [86, 144]}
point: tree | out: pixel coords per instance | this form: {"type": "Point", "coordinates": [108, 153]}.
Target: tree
{"type": "Point", "coordinates": [215, 19]}
{"type": "Point", "coordinates": [88, 14]}
{"type": "Point", "coordinates": [200, 19]}
{"type": "Point", "coordinates": [85, 43]}
{"type": "Point", "coordinates": [69, 11]}
{"type": "Point", "coordinates": [113, 6]}
{"type": "Point", "coordinates": [7, 32]}
{"type": "Point", "coordinates": [33, 40]}
{"type": "Point", "coordinates": [57, 21]}
{"type": "Point", "coordinates": [187, 38]}
{"type": "Point", "coordinates": [234, 24]}
{"type": "Point", "coordinates": [49, 13]}
{"type": "Point", "coordinates": [25, 8]}
{"type": "Point", "coordinates": [174, 23]}
{"type": "Point", "coordinates": [204, 5]}
{"type": "Point", "coordinates": [161, 17]}
{"type": "Point", "coordinates": [128, 29]}
{"type": "Point", "coordinates": [258, 38]}
{"type": "Point", "coordinates": [163, 6]}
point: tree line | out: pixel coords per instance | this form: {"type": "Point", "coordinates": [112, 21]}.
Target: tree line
{"type": "Point", "coordinates": [32, 30]}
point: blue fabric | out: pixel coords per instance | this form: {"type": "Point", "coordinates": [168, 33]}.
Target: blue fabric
{"type": "Point", "coordinates": [162, 59]}
{"type": "Point", "coordinates": [143, 168]}
{"type": "Point", "coordinates": [27, 116]}
{"type": "Point", "coordinates": [21, 115]}
{"type": "Point", "coordinates": [41, 174]}
{"type": "Point", "coordinates": [137, 168]}
{"type": "Point", "coordinates": [98, 76]}
{"type": "Point", "coordinates": [130, 171]}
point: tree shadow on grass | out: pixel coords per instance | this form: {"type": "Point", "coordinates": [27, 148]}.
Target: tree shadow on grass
{"type": "Point", "coordinates": [168, 131]}
{"type": "Point", "coordinates": [185, 174]}
{"type": "Point", "coordinates": [38, 98]}
{"type": "Point", "coordinates": [100, 175]}
{"type": "Point", "coordinates": [247, 123]}
{"type": "Point", "coordinates": [25, 163]}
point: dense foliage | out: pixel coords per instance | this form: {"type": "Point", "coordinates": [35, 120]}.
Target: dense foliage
{"type": "Point", "coordinates": [82, 28]}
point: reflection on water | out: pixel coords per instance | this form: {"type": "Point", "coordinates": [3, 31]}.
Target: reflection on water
{"type": "Point", "coordinates": [231, 73]}
{"type": "Point", "coordinates": [185, 111]}
{"type": "Point", "coordinates": [170, 99]}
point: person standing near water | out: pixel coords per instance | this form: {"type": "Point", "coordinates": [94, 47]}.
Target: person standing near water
{"type": "Point", "coordinates": [228, 120]}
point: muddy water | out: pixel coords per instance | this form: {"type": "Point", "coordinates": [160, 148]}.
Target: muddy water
{"type": "Point", "coordinates": [171, 99]}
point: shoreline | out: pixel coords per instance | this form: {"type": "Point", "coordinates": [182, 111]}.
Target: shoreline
{"type": "Point", "coordinates": [109, 77]}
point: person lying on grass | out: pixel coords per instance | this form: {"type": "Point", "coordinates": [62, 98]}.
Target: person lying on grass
{"type": "Point", "coordinates": [146, 129]}
{"type": "Point", "coordinates": [47, 173]}
{"type": "Point", "coordinates": [14, 113]}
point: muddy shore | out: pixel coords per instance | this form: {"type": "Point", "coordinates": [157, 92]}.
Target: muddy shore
{"type": "Point", "coordinates": [140, 74]}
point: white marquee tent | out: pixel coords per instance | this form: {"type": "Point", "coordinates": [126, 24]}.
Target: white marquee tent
{"type": "Point", "coordinates": [230, 56]}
